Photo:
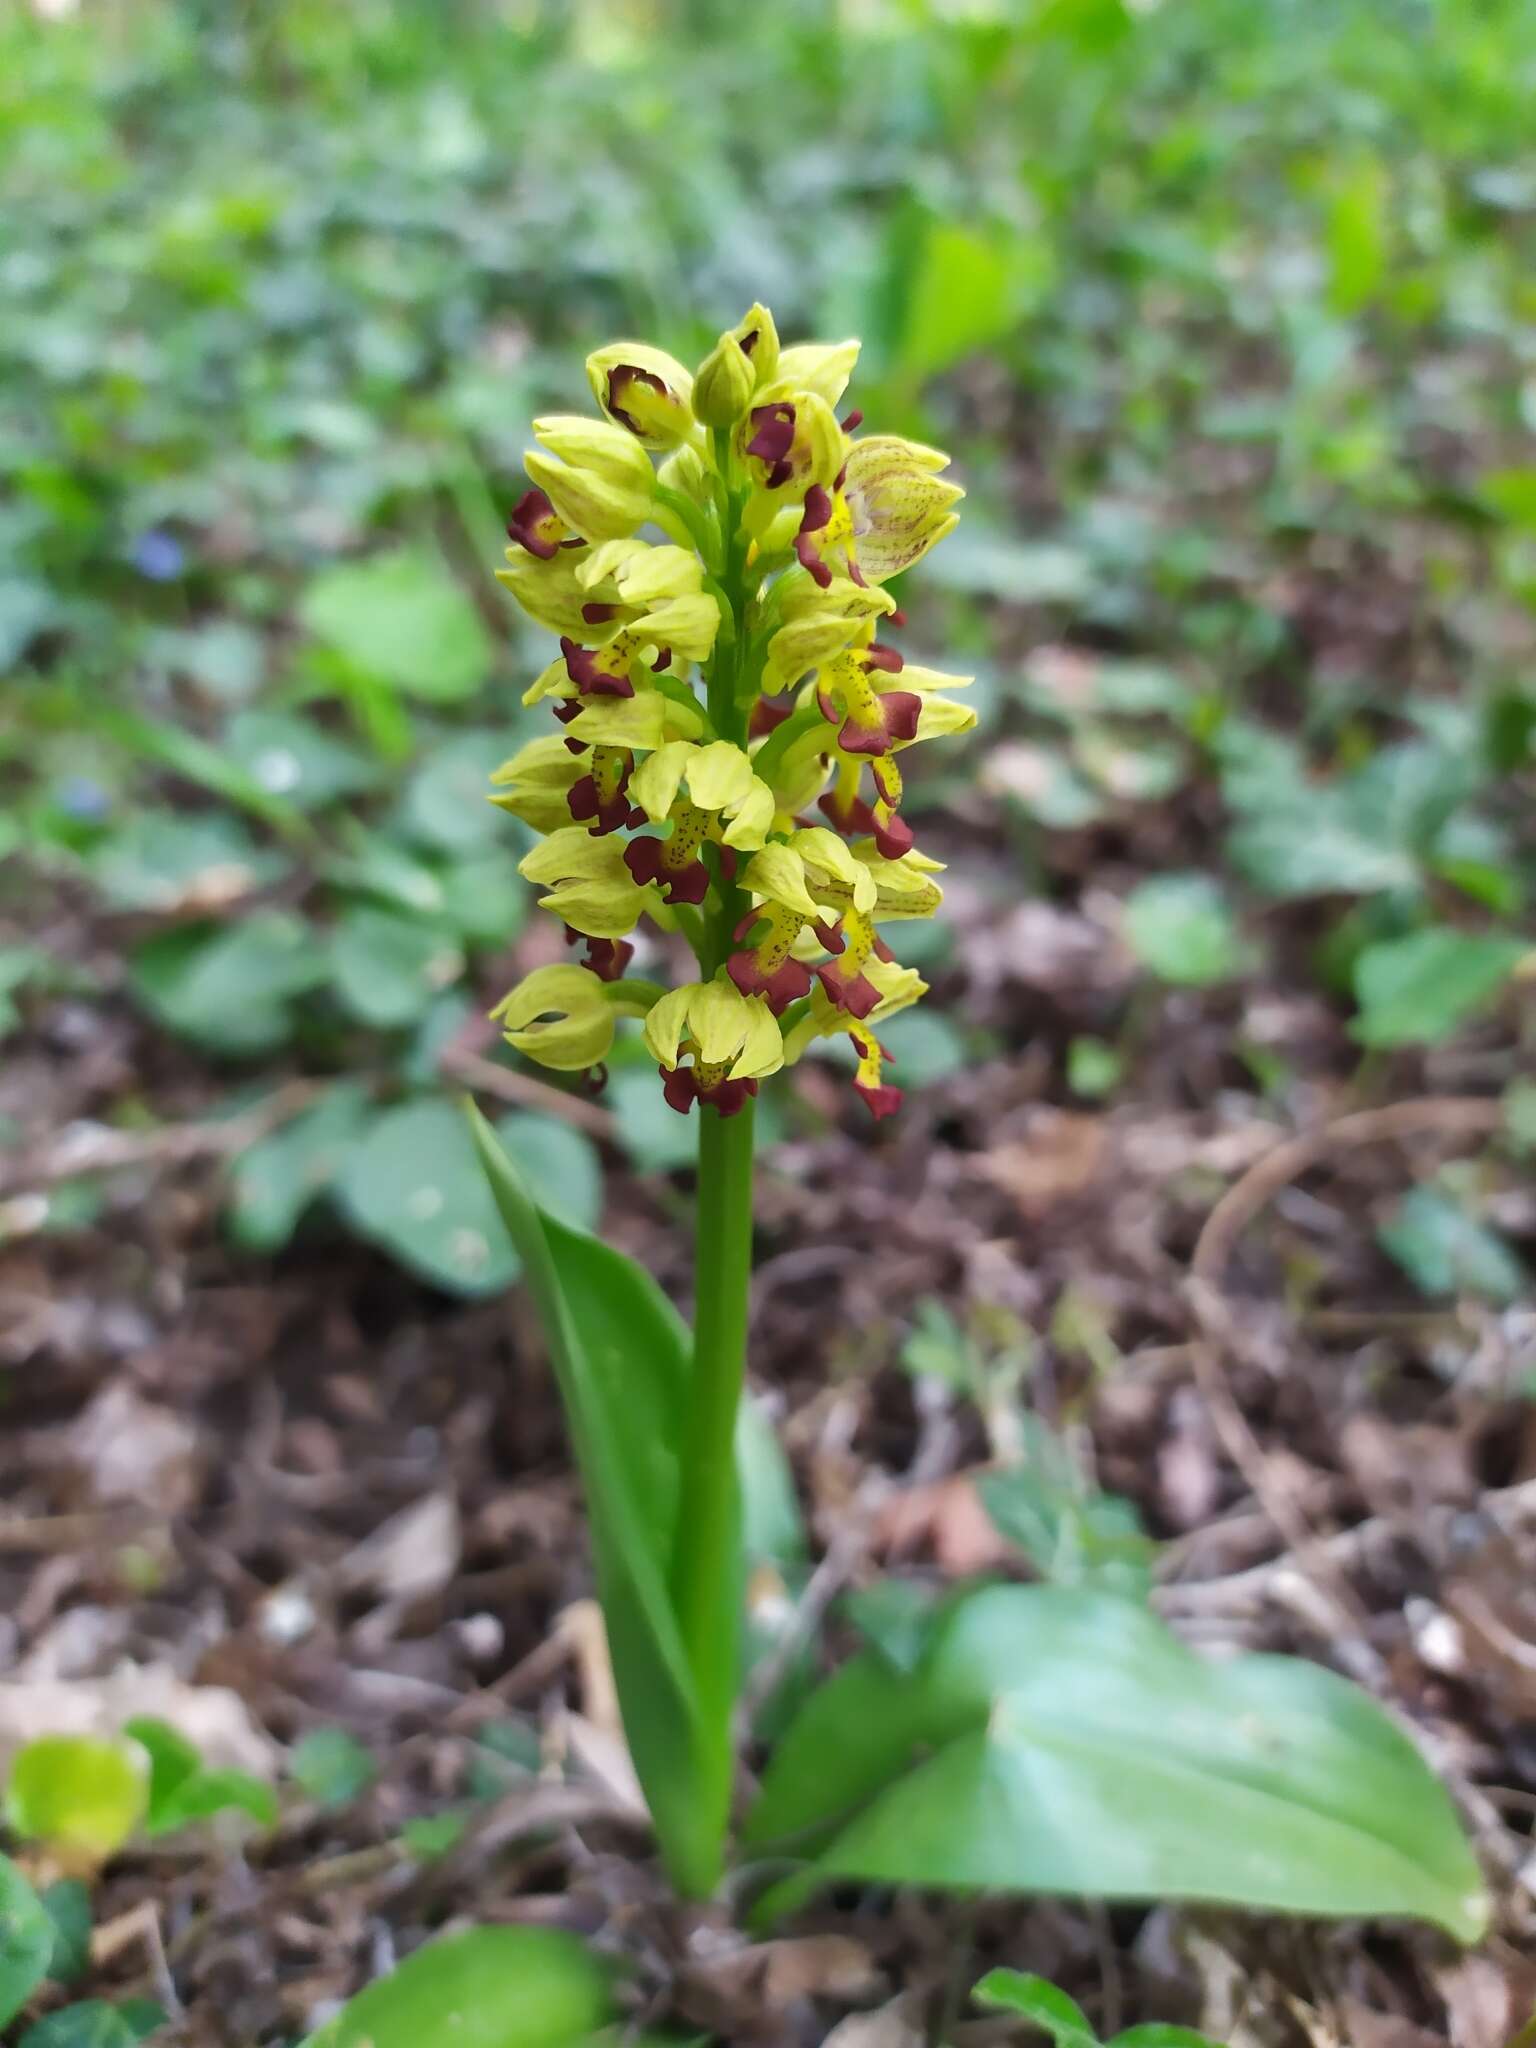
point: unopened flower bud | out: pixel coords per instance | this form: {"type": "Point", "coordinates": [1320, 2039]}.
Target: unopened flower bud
{"type": "Point", "coordinates": [723, 384]}
{"type": "Point", "coordinates": [645, 390]}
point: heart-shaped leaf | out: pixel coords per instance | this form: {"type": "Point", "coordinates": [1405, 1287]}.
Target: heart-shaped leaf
{"type": "Point", "coordinates": [78, 1793]}
{"type": "Point", "coordinates": [412, 1185]}
{"type": "Point", "coordinates": [1417, 990]}
{"type": "Point", "coordinates": [492, 1987]}
{"type": "Point", "coordinates": [1055, 1740]}
{"type": "Point", "coordinates": [27, 1939]}
{"type": "Point", "coordinates": [620, 1351]}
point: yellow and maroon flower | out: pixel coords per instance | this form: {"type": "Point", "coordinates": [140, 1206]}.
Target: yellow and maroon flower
{"type": "Point", "coordinates": [713, 1045]}
{"type": "Point", "coordinates": [871, 716]}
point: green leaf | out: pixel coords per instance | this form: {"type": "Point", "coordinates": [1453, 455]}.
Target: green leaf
{"type": "Point", "coordinates": [198, 760]}
{"type": "Point", "coordinates": [175, 860]}
{"type": "Point", "coordinates": [1417, 990]}
{"type": "Point", "coordinates": [621, 1355]}
{"type": "Point", "coordinates": [387, 969]}
{"type": "Point", "coordinates": [274, 1182]}
{"type": "Point", "coordinates": [1063, 1741]}
{"type": "Point", "coordinates": [1071, 1536]}
{"type": "Point", "coordinates": [404, 620]}
{"type": "Point", "coordinates": [67, 1903]}
{"type": "Point", "coordinates": [1180, 927]}
{"type": "Point", "coordinates": [214, 1789]}
{"type": "Point", "coordinates": [27, 1941]}
{"type": "Point", "coordinates": [1156, 2034]}
{"type": "Point", "coordinates": [446, 800]}
{"type": "Point", "coordinates": [432, 1835]}
{"type": "Point", "coordinates": [93, 2023]}
{"type": "Point", "coordinates": [412, 1184]}
{"type": "Point", "coordinates": [293, 758]}
{"type": "Point", "coordinates": [76, 1792]}
{"type": "Point", "coordinates": [924, 1047]}
{"type": "Point", "coordinates": [493, 1987]}
{"type": "Point", "coordinates": [332, 1767]}
{"type": "Point", "coordinates": [1444, 1251]}
{"type": "Point", "coordinates": [965, 293]}
{"type": "Point", "coordinates": [1094, 1067]}
{"type": "Point", "coordinates": [1039, 2000]}
{"type": "Point", "coordinates": [183, 1789]}
{"type": "Point", "coordinates": [230, 989]}
{"type": "Point", "coordinates": [1358, 220]}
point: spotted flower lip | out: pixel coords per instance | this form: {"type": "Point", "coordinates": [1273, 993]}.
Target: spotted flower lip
{"type": "Point", "coordinates": [715, 691]}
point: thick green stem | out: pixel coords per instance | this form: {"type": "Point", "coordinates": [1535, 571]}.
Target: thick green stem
{"type": "Point", "coordinates": [707, 1574]}
{"type": "Point", "coordinates": [707, 1567]}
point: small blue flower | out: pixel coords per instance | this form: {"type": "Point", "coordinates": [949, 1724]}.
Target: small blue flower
{"type": "Point", "coordinates": [159, 555]}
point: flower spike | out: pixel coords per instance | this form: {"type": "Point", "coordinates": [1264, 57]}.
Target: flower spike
{"type": "Point", "coordinates": [715, 690]}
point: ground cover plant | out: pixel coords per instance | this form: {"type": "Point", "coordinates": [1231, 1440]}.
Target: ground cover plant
{"type": "Point", "coordinates": [1220, 313]}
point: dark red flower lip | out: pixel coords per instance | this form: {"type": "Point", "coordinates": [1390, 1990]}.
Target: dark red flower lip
{"type": "Point", "coordinates": [645, 859]}
{"type": "Point", "coordinates": [772, 439]}
{"type": "Point", "coordinates": [532, 510]}
{"type": "Point", "coordinates": [581, 666]}
{"type": "Point", "coordinates": [681, 1088]}
{"type": "Point", "coordinates": [855, 994]}
{"type": "Point", "coordinates": [620, 378]}
{"type": "Point", "coordinates": [787, 984]}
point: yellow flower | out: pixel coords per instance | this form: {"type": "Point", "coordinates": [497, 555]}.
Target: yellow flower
{"type": "Point", "coordinates": [563, 1017]}
{"type": "Point", "coordinates": [719, 781]}
{"type": "Point", "coordinates": [595, 476]}
{"type": "Point", "coordinates": [590, 888]}
{"type": "Point", "coordinates": [713, 1044]}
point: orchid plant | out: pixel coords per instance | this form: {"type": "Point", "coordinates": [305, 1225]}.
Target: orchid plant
{"type": "Point", "coordinates": [714, 554]}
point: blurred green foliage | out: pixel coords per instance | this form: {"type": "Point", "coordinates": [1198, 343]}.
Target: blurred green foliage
{"type": "Point", "coordinates": [1224, 306]}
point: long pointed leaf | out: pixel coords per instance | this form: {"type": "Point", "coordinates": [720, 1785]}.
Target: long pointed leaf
{"type": "Point", "coordinates": [620, 1351]}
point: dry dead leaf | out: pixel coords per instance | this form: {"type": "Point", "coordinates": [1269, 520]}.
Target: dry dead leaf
{"type": "Point", "coordinates": [412, 1555]}
{"type": "Point", "coordinates": [130, 1449]}
{"type": "Point", "coordinates": [896, 2025]}
{"type": "Point", "coordinates": [1061, 1158]}
{"type": "Point", "coordinates": [946, 1518]}
{"type": "Point", "coordinates": [213, 1719]}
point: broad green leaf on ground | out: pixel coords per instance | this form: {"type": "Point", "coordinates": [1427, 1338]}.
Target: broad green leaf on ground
{"type": "Point", "coordinates": [27, 1941]}
{"type": "Point", "coordinates": [1417, 990]}
{"type": "Point", "coordinates": [402, 618]}
{"type": "Point", "coordinates": [77, 1793]}
{"type": "Point", "coordinates": [447, 803]}
{"type": "Point", "coordinates": [1066, 1742]}
{"type": "Point", "coordinates": [924, 1047]}
{"type": "Point", "coordinates": [67, 1902]}
{"type": "Point", "coordinates": [276, 1179]}
{"type": "Point", "coordinates": [492, 1987]}
{"type": "Point", "coordinates": [1054, 2013]}
{"type": "Point", "coordinates": [230, 989]}
{"type": "Point", "coordinates": [387, 968]}
{"type": "Point", "coordinates": [93, 2023]}
{"type": "Point", "coordinates": [292, 757]}
{"type": "Point", "coordinates": [1445, 1251]}
{"type": "Point", "coordinates": [1181, 927]}
{"type": "Point", "coordinates": [1072, 1536]}
{"type": "Point", "coordinates": [332, 1767]}
{"type": "Point", "coordinates": [412, 1184]}
{"type": "Point", "coordinates": [180, 860]}
{"type": "Point", "coordinates": [485, 899]}
{"type": "Point", "coordinates": [621, 1355]}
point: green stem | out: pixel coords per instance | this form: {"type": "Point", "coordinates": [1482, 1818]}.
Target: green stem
{"type": "Point", "coordinates": [708, 1579]}
{"type": "Point", "coordinates": [707, 1587]}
